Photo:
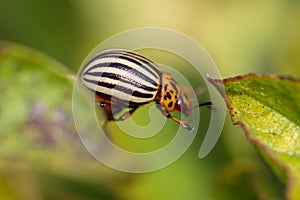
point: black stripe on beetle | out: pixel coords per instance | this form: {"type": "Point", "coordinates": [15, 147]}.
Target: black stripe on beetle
{"type": "Point", "coordinates": [120, 88]}
{"type": "Point", "coordinates": [143, 65]}
{"type": "Point", "coordinates": [145, 60]}
{"type": "Point", "coordinates": [123, 67]}
{"type": "Point", "coordinates": [120, 78]}
{"type": "Point", "coordinates": [136, 59]}
{"type": "Point", "coordinates": [132, 57]}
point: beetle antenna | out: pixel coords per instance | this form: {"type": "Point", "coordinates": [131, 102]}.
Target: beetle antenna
{"type": "Point", "coordinates": [208, 103]}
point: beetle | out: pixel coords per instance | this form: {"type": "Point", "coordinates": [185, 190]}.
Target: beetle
{"type": "Point", "coordinates": [125, 79]}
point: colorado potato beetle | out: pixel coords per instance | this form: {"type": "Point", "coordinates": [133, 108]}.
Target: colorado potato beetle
{"type": "Point", "coordinates": [125, 79]}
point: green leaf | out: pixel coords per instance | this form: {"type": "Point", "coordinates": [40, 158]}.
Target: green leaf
{"type": "Point", "coordinates": [26, 54]}
{"type": "Point", "coordinates": [268, 109]}
{"type": "Point", "coordinates": [33, 89]}
{"type": "Point", "coordinates": [41, 156]}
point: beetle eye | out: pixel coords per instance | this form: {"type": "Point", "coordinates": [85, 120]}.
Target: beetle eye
{"type": "Point", "coordinates": [183, 106]}
{"type": "Point", "coordinates": [179, 102]}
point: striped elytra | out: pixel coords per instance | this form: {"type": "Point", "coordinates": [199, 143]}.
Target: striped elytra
{"type": "Point", "coordinates": [125, 79]}
{"type": "Point", "coordinates": [127, 76]}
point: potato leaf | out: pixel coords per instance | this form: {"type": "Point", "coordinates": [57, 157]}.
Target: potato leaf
{"type": "Point", "coordinates": [268, 109]}
{"type": "Point", "coordinates": [41, 156]}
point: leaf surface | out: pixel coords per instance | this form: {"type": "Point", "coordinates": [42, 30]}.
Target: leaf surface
{"type": "Point", "coordinates": [268, 109]}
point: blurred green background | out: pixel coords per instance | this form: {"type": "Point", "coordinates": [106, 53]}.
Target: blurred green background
{"type": "Point", "coordinates": [41, 155]}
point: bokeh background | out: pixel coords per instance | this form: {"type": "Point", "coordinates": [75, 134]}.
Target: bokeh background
{"type": "Point", "coordinates": [46, 159]}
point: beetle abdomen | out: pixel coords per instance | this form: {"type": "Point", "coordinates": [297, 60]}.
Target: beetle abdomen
{"type": "Point", "coordinates": [123, 75]}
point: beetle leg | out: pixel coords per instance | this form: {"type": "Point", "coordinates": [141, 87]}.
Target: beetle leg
{"type": "Point", "coordinates": [168, 115]}
{"type": "Point", "coordinates": [109, 110]}
{"type": "Point", "coordinates": [126, 114]}
{"type": "Point", "coordinates": [109, 115]}
{"type": "Point", "coordinates": [183, 124]}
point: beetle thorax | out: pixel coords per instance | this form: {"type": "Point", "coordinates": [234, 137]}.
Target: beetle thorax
{"type": "Point", "coordinates": [170, 92]}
